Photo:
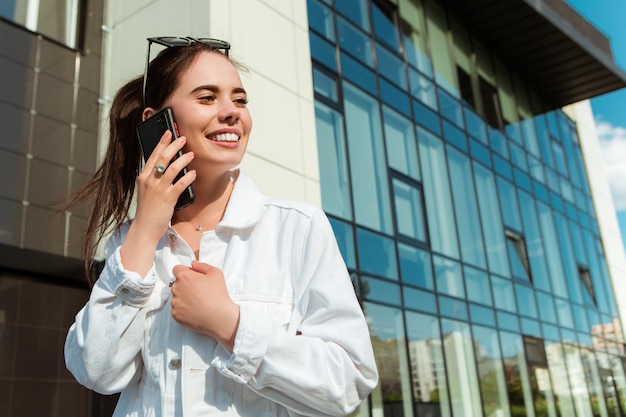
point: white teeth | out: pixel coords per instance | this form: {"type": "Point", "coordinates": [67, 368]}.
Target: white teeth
{"type": "Point", "coordinates": [225, 137]}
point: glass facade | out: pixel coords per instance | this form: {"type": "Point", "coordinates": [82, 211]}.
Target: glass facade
{"type": "Point", "coordinates": [464, 214]}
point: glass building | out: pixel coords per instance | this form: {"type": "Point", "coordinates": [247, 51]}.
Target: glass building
{"type": "Point", "coordinates": [447, 140]}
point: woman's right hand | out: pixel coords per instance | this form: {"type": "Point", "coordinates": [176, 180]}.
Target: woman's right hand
{"type": "Point", "coordinates": [156, 197]}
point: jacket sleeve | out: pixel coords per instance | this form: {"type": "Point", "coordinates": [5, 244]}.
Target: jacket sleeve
{"type": "Point", "coordinates": [103, 345]}
{"type": "Point", "coordinates": [323, 364]}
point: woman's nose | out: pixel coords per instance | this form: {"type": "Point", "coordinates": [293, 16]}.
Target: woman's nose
{"type": "Point", "coordinates": [229, 113]}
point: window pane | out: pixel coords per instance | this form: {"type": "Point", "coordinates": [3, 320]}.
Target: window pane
{"type": "Point", "coordinates": [503, 295]}
{"type": "Point", "coordinates": [441, 225]}
{"type": "Point", "coordinates": [331, 148]}
{"type": "Point", "coordinates": [321, 19]}
{"type": "Point", "coordinates": [415, 266]}
{"type": "Point", "coordinates": [491, 221]}
{"type": "Point", "coordinates": [419, 300]}
{"type": "Point", "coordinates": [401, 144]}
{"type": "Point", "coordinates": [373, 289]}
{"type": "Point", "coordinates": [491, 372]}
{"type": "Point", "coordinates": [368, 168]}
{"type": "Point", "coordinates": [325, 85]}
{"type": "Point", "coordinates": [345, 240]}
{"type": "Point", "coordinates": [546, 307]}
{"type": "Point", "coordinates": [377, 254]}
{"type": "Point", "coordinates": [449, 277]}
{"type": "Point", "coordinates": [461, 369]}
{"type": "Point", "coordinates": [384, 27]}
{"type": "Point", "coordinates": [388, 340]}
{"type": "Point", "coordinates": [508, 203]}
{"type": "Point", "coordinates": [356, 11]}
{"type": "Point", "coordinates": [466, 209]}
{"type": "Point", "coordinates": [423, 89]}
{"type": "Point", "coordinates": [391, 67]}
{"type": "Point", "coordinates": [554, 256]}
{"type": "Point", "coordinates": [478, 286]}
{"type": "Point", "coordinates": [322, 51]}
{"type": "Point", "coordinates": [355, 42]}
{"type": "Point", "coordinates": [569, 261]}
{"type": "Point", "coordinates": [409, 211]}
{"type": "Point", "coordinates": [428, 378]}
{"type": "Point", "coordinates": [534, 243]}
{"type": "Point", "coordinates": [525, 297]}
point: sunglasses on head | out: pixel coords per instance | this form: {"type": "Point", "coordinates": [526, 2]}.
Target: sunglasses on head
{"type": "Point", "coordinates": [175, 41]}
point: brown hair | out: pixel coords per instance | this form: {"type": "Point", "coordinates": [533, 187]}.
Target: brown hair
{"type": "Point", "coordinates": [110, 191]}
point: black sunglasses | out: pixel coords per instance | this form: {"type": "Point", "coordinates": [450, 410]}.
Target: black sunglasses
{"type": "Point", "coordinates": [174, 41]}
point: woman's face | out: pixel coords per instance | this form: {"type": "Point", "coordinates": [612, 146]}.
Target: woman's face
{"type": "Point", "coordinates": [210, 106]}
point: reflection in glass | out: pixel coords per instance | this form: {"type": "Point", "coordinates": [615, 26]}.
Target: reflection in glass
{"type": "Point", "coordinates": [558, 373]}
{"type": "Point", "coordinates": [428, 382]}
{"type": "Point", "coordinates": [331, 148]}
{"type": "Point", "coordinates": [540, 380]}
{"type": "Point", "coordinates": [490, 372]}
{"type": "Point", "coordinates": [461, 369]}
{"type": "Point", "coordinates": [517, 375]}
{"type": "Point", "coordinates": [441, 224]}
{"type": "Point", "coordinates": [578, 380]}
{"type": "Point", "coordinates": [368, 168]}
{"type": "Point", "coordinates": [392, 397]}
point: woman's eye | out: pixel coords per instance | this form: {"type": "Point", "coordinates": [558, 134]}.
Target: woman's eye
{"type": "Point", "coordinates": [207, 98]}
{"type": "Point", "coordinates": [242, 101]}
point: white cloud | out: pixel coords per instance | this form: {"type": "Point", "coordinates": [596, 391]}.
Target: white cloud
{"type": "Point", "coordinates": [613, 146]}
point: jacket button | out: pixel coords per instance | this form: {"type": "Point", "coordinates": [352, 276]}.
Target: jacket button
{"type": "Point", "coordinates": [125, 290]}
{"type": "Point", "coordinates": [175, 363]}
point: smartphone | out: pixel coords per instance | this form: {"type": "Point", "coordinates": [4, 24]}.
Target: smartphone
{"type": "Point", "coordinates": [150, 132]}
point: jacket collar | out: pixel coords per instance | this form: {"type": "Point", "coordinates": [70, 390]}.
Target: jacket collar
{"type": "Point", "coordinates": [245, 206]}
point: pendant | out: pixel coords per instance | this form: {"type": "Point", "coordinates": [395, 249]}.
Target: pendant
{"type": "Point", "coordinates": [198, 227]}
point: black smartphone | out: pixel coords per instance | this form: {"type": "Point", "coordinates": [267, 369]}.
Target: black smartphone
{"type": "Point", "coordinates": [150, 132]}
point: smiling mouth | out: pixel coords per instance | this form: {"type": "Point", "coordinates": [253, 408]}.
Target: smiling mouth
{"type": "Point", "coordinates": [224, 137]}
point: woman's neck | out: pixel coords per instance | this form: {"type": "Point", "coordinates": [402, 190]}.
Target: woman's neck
{"type": "Point", "coordinates": [211, 199]}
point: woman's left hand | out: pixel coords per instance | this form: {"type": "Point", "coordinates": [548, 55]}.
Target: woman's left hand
{"type": "Point", "coordinates": [200, 302]}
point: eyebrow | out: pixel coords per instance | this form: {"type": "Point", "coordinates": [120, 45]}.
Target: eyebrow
{"type": "Point", "coordinates": [210, 87]}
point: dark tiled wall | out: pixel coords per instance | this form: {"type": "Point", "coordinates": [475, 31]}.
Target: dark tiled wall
{"type": "Point", "coordinates": [49, 117]}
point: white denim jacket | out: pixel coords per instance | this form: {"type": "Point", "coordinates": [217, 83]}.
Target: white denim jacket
{"type": "Point", "coordinates": [284, 269]}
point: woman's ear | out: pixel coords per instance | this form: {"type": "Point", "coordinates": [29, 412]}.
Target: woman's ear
{"type": "Point", "coordinates": [147, 113]}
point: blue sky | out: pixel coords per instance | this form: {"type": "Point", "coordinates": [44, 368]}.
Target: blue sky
{"type": "Point", "coordinates": [609, 16]}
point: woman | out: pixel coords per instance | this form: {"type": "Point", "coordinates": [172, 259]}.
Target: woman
{"type": "Point", "coordinates": [238, 304]}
